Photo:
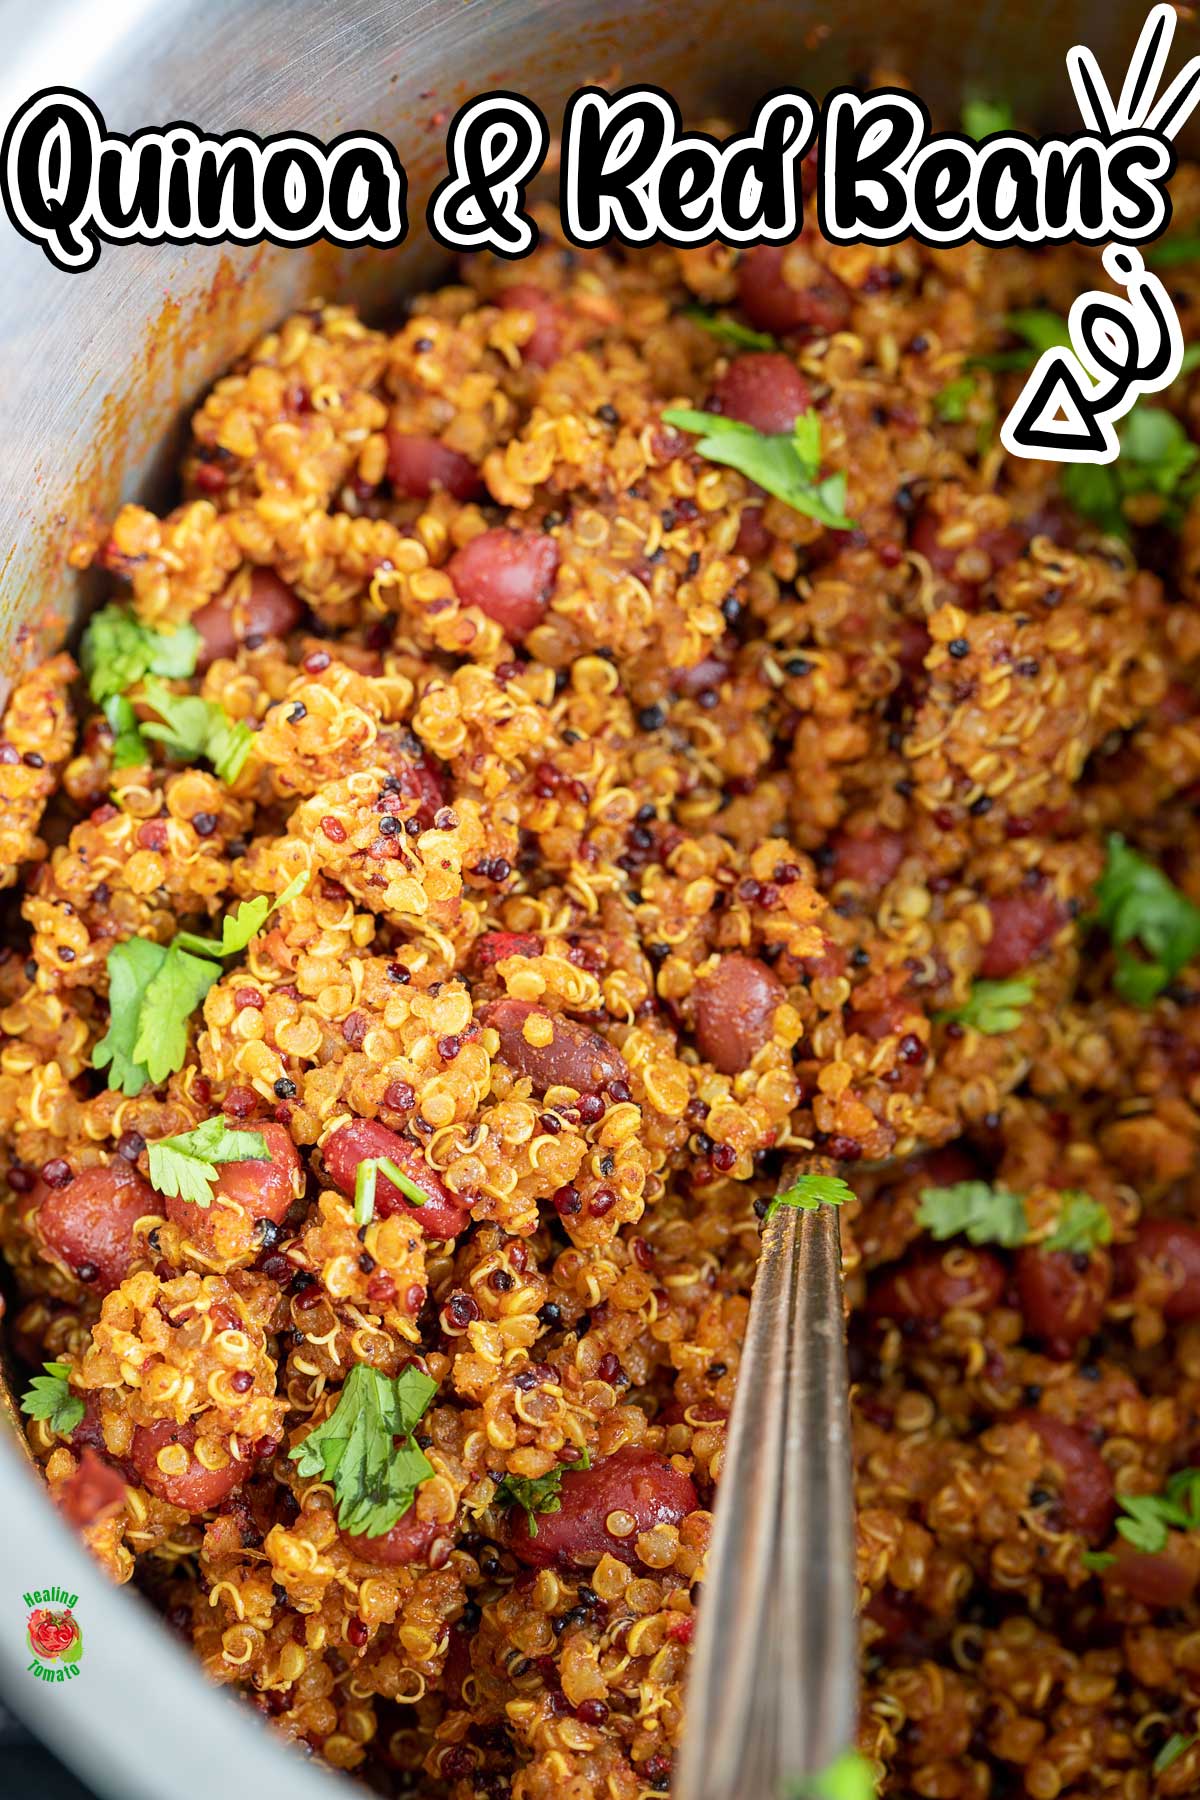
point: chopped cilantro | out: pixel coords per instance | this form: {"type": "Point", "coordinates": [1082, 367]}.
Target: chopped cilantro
{"type": "Point", "coordinates": [1177, 1745]}
{"type": "Point", "coordinates": [980, 118]}
{"type": "Point", "coordinates": [976, 1210]}
{"type": "Point", "coordinates": [787, 464]}
{"type": "Point", "coordinates": [191, 728]}
{"type": "Point", "coordinates": [538, 1493]}
{"type": "Point", "coordinates": [239, 927]}
{"type": "Point", "coordinates": [848, 1777]}
{"type": "Point", "coordinates": [129, 746]}
{"type": "Point", "coordinates": [1156, 457]}
{"type": "Point", "coordinates": [1184, 247]}
{"type": "Point", "coordinates": [993, 1007]}
{"type": "Point", "coordinates": [1097, 1560]}
{"type": "Point", "coordinates": [364, 1449]}
{"type": "Point", "coordinates": [1135, 902]}
{"type": "Point", "coordinates": [1040, 329]}
{"type": "Point", "coordinates": [183, 1166]}
{"type": "Point", "coordinates": [950, 403]}
{"type": "Point", "coordinates": [1149, 1517]}
{"type": "Point", "coordinates": [49, 1398]}
{"type": "Point", "coordinates": [119, 651]}
{"type": "Point", "coordinates": [152, 992]}
{"type": "Point", "coordinates": [730, 331]}
{"type": "Point", "coordinates": [811, 1191]}
{"type": "Point", "coordinates": [1082, 1224]}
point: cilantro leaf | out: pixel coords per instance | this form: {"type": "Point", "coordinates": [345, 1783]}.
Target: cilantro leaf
{"type": "Point", "coordinates": [374, 1479]}
{"type": "Point", "coordinates": [1156, 457]}
{"type": "Point", "coordinates": [132, 966]}
{"type": "Point", "coordinates": [48, 1397]}
{"type": "Point", "coordinates": [981, 117]}
{"type": "Point", "coordinates": [1040, 329]}
{"type": "Point", "coordinates": [129, 746]}
{"type": "Point", "coordinates": [993, 1007]}
{"type": "Point", "coordinates": [538, 1493]}
{"type": "Point", "coordinates": [848, 1777]}
{"type": "Point", "coordinates": [191, 728]}
{"type": "Point", "coordinates": [183, 1166]}
{"type": "Point", "coordinates": [730, 331]}
{"type": "Point", "coordinates": [950, 403]}
{"type": "Point", "coordinates": [1183, 247]}
{"type": "Point", "coordinates": [118, 651]}
{"type": "Point", "coordinates": [811, 1191]}
{"type": "Point", "coordinates": [1097, 1560]}
{"type": "Point", "coordinates": [786, 464]}
{"type": "Point", "coordinates": [1149, 1517]}
{"type": "Point", "coordinates": [246, 922]}
{"type": "Point", "coordinates": [1177, 1745]}
{"type": "Point", "coordinates": [1136, 902]}
{"type": "Point", "coordinates": [166, 1004]}
{"type": "Point", "coordinates": [975, 1209]}
{"type": "Point", "coordinates": [1082, 1224]}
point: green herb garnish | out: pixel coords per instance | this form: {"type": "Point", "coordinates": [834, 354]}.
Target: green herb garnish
{"type": "Point", "coordinates": [153, 989]}
{"type": "Point", "coordinates": [184, 1166]}
{"type": "Point", "coordinates": [374, 1477]}
{"type": "Point", "coordinates": [395, 1174]}
{"type": "Point", "coordinates": [1156, 457]}
{"type": "Point", "coordinates": [1173, 251]}
{"type": "Point", "coordinates": [730, 331]}
{"type": "Point", "coordinates": [1097, 1560]}
{"type": "Point", "coordinates": [239, 927]}
{"type": "Point", "coordinates": [129, 746]}
{"type": "Point", "coordinates": [364, 1191]}
{"type": "Point", "coordinates": [49, 1398]}
{"type": "Point", "coordinates": [1135, 902]}
{"type": "Point", "coordinates": [1082, 1225]}
{"type": "Point", "coordinates": [848, 1777]}
{"type": "Point", "coordinates": [811, 1191]}
{"type": "Point", "coordinates": [192, 728]}
{"type": "Point", "coordinates": [980, 118]}
{"type": "Point", "coordinates": [993, 1007]}
{"type": "Point", "coordinates": [1149, 1517]}
{"type": "Point", "coordinates": [950, 403]}
{"type": "Point", "coordinates": [118, 651]}
{"type": "Point", "coordinates": [976, 1210]}
{"type": "Point", "coordinates": [1177, 1745]}
{"type": "Point", "coordinates": [786, 464]}
{"type": "Point", "coordinates": [538, 1493]}
{"type": "Point", "coordinates": [1040, 329]}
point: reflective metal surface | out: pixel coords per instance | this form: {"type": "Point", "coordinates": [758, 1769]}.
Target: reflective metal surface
{"type": "Point", "coordinates": [98, 370]}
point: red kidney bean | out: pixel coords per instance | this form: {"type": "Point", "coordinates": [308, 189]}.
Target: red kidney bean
{"type": "Point", "coordinates": [251, 1190]}
{"type": "Point", "coordinates": [497, 945]}
{"type": "Point", "coordinates": [708, 673]}
{"type": "Point", "coordinates": [574, 1057]}
{"type": "Point", "coordinates": [93, 1492]}
{"type": "Point", "coordinates": [635, 1481]}
{"type": "Point", "coordinates": [1001, 544]}
{"type": "Point", "coordinates": [1062, 1295]}
{"type": "Point", "coordinates": [764, 389]}
{"type": "Point", "coordinates": [544, 346]}
{"type": "Point", "coordinates": [869, 861]}
{"type": "Point", "coordinates": [89, 1223]}
{"type": "Point", "coordinates": [442, 1216]}
{"type": "Point", "coordinates": [197, 1488]}
{"type": "Point", "coordinates": [417, 776]}
{"type": "Point", "coordinates": [509, 575]}
{"type": "Point", "coordinates": [735, 1006]}
{"type": "Point", "coordinates": [820, 304]}
{"type": "Point", "coordinates": [754, 541]}
{"type": "Point", "coordinates": [1022, 926]}
{"type": "Point", "coordinates": [922, 1287]}
{"type": "Point", "coordinates": [1087, 1483]}
{"type": "Point", "coordinates": [271, 610]}
{"type": "Point", "coordinates": [1171, 1246]}
{"type": "Point", "coordinates": [1167, 1578]}
{"type": "Point", "coordinates": [417, 465]}
{"type": "Point", "coordinates": [409, 1541]}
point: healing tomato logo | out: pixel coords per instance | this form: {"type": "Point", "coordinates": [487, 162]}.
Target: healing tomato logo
{"type": "Point", "coordinates": [54, 1634]}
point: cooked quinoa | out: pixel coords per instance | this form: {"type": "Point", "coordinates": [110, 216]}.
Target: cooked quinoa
{"type": "Point", "coordinates": [630, 835]}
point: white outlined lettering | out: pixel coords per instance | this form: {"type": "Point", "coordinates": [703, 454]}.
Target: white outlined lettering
{"type": "Point", "coordinates": [497, 143]}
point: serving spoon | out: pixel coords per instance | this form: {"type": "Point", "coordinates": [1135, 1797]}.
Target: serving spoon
{"type": "Point", "coordinates": [774, 1670]}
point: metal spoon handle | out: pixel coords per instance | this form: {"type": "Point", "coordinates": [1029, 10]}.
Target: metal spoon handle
{"type": "Point", "coordinates": [774, 1672]}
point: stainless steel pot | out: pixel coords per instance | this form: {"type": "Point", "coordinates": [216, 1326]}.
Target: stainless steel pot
{"type": "Point", "coordinates": [97, 371]}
